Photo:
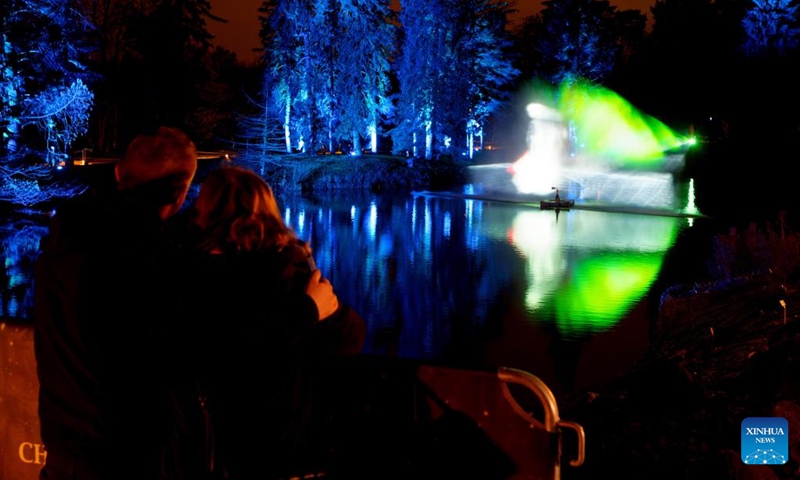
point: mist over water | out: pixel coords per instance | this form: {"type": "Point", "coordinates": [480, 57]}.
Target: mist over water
{"type": "Point", "coordinates": [596, 148]}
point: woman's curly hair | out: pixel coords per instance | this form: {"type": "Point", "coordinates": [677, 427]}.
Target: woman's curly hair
{"type": "Point", "coordinates": [237, 211]}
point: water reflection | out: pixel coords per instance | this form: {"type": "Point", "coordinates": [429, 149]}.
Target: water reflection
{"type": "Point", "coordinates": [437, 277]}
{"type": "Point", "coordinates": [414, 267]}
{"type": "Point", "coordinates": [459, 280]}
{"type": "Point", "coordinates": [19, 248]}
{"type": "Point", "coordinates": [586, 270]}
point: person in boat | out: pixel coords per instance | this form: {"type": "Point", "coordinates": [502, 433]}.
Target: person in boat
{"type": "Point", "coordinates": [262, 328]}
{"type": "Point", "coordinates": [558, 198]}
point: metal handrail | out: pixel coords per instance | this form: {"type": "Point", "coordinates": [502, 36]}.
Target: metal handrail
{"type": "Point", "coordinates": [552, 423]}
{"type": "Point", "coordinates": [520, 377]}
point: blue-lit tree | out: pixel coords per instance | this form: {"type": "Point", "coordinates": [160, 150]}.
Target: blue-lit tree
{"type": "Point", "coordinates": [771, 27]}
{"type": "Point", "coordinates": [419, 62]}
{"type": "Point", "coordinates": [327, 69]}
{"type": "Point", "coordinates": [365, 41]}
{"type": "Point", "coordinates": [279, 33]}
{"type": "Point", "coordinates": [45, 100]}
{"type": "Point", "coordinates": [316, 99]}
{"type": "Point", "coordinates": [296, 40]}
{"type": "Point", "coordinates": [486, 62]}
{"type": "Point", "coordinates": [452, 69]}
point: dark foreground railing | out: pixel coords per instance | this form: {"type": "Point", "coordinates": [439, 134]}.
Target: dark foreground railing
{"type": "Point", "coordinates": [374, 418]}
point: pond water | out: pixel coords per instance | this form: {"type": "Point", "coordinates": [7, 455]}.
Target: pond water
{"type": "Point", "coordinates": [469, 281]}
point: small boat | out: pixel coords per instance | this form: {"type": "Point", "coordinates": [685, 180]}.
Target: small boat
{"type": "Point", "coordinates": [556, 204]}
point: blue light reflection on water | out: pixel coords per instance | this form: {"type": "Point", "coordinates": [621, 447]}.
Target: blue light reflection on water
{"type": "Point", "coordinates": [462, 281]}
{"type": "Point", "coordinates": [436, 278]}
{"type": "Point", "coordinates": [19, 248]}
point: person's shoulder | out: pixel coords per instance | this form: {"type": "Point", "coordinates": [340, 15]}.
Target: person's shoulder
{"type": "Point", "coordinates": [77, 214]}
{"type": "Point", "coordinates": [298, 250]}
{"type": "Point", "coordinates": [79, 204]}
{"type": "Point", "coordinates": [256, 260]}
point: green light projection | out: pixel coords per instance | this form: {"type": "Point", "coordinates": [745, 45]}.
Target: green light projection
{"type": "Point", "coordinates": [608, 126]}
{"type": "Point", "coordinates": [591, 128]}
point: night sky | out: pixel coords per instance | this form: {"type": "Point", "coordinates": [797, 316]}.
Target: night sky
{"type": "Point", "coordinates": [240, 34]}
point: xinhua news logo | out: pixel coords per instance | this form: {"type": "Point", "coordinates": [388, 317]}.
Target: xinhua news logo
{"type": "Point", "coordinates": [765, 440]}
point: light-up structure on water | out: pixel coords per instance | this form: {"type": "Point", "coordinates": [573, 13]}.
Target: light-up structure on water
{"type": "Point", "coordinates": [597, 148]}
{"type": "Point", "coordinates": [541, 166]}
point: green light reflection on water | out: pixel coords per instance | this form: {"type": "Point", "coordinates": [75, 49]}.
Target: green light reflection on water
{"type": "Point", "coordinates": [585, 276]}
{"type": "Point", "coordinates": [604, 289]}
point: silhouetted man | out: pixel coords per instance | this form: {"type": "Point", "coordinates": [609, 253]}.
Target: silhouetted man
{"type": "Point", "coordinates": [105, 285]}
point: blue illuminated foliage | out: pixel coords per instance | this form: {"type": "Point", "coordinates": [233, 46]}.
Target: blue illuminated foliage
{"type": "Point", "coordinates": [330, 70]}
{"type": "Point", "coordinates": [771, 27]}
{"type": "Point", "coordinates": [45, 102]}
{"type": "Point", "coordinates": [361, 81]}
{"type": "Point", "coordinates": [453, 67]}
{"type": "Point", "coordinates": [42, 76]}
{"type": "Point", "coordinates": [295, 48]}
{"type": "Point", "coordinates": [327, 78]}
{"type": "Point", "coordinates": [19, 248]}
{"type": "Point", "coordinates": [487, 66]}
{"type": "Point", "coordinates": [420, 60]}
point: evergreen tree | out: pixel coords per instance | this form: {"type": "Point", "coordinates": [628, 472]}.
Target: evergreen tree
{"type": "Point", "coordinates": [323, 43]}
{"type": "Point", "coordinates": [770, 46]}
{"type": "Point", "coordinates": [486, 64]}
{"type": "Point", "coordinates": [153, 56]}
{"type": "Point", "coordinates": [577, 40]}
{"type": "Point", "coordinates": [327, 69]}
{"type": "Point", "coordinates": [365, 42]}
{"type": "Point", "coordinates": [298, 44]}
{"type": "Point", "coordinates": [420, 60]}
{"type": "Point", "coordinates": [280, 34]}
{"type": "Point", "coordinates": [45, 100]}
{"type": "Point", "coordinates": [771, 27]}
{"type": "Point", "coordinates": [453, 68]}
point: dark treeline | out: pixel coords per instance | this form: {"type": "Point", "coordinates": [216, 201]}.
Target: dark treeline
{"type": "Point", "coordinates": [436, 77]}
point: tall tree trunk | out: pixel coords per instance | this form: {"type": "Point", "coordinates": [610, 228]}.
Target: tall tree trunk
{"type": "Point", "coordinates": [287, 132]}
{"type": "Point", "coordinates": [428, 140]}
{"type": "Point", "coordinates": [356, 144]}
{"type": "Point", "coordinates": [373, 134]}
{"type": "Point", "coordinates": [470, 142]}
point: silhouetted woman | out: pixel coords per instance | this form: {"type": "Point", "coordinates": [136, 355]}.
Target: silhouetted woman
{"type": "Point", "coordinates": [263, 312]}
